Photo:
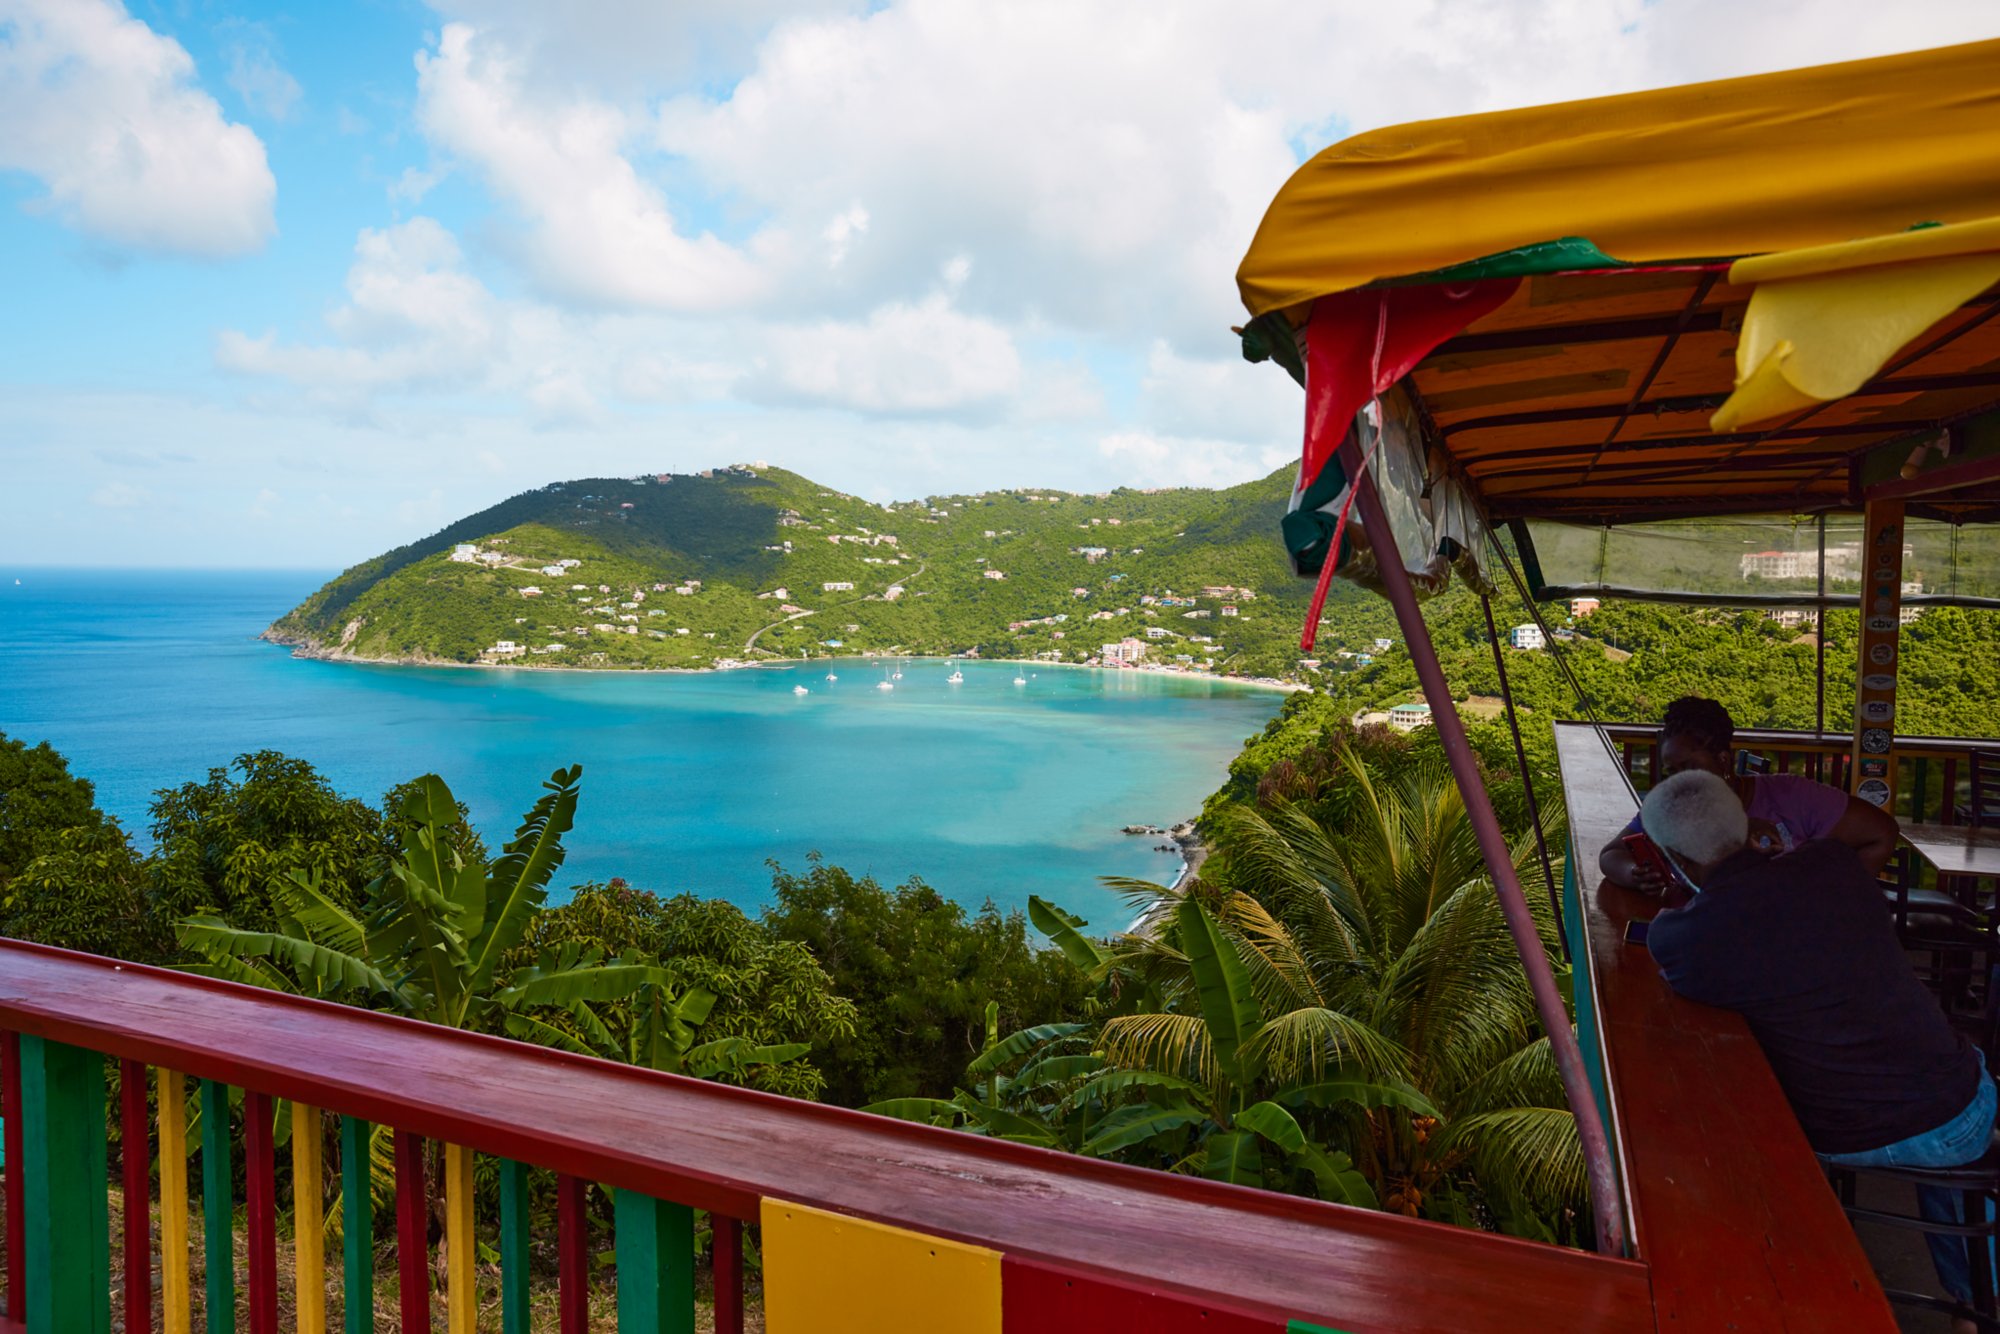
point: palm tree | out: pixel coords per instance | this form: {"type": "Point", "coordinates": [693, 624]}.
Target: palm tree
{"type": "Point", "coordinates": [1376, 952]}
{"type": "Point", "coordinates": [1393, 925]}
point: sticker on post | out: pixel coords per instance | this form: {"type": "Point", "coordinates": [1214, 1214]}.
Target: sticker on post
{"type": "Point", "coordinates": [1882, 655]}
{"type": "Point", "coordinates": [1882, 625]}
{"type": "Point", "coordinates": [1878, 711]}
{"type": "Point", "coordinates": [1874, 791]}
{"type": "Point", "coordinates": [1878, 681]}
{"type": "Point", "coordinates": [1875, 767]}
{"type": "Point", "coordinates": [1875, 741]}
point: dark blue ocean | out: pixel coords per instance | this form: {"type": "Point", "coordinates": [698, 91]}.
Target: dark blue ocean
{"type": "Point", "coordinates": [691, 782]}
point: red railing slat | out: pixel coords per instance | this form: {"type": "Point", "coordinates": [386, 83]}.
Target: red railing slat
{"type": "Point", "coordinates": [17, 1212]}
{"type": "Point", "coordinates": [260, 1223]}
{"type": "Point", "coordinates": [136, 1168]}
{"type": "Point", "coordinates": [413, 1223]}
{"type": "Point", "coordinates": [572, 1257]}
{"type": "Point", "coordinates": [728, 1267]}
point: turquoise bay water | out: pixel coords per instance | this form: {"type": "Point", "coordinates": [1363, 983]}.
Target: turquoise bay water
{"type": "Point", "coordinates": [691, 781]}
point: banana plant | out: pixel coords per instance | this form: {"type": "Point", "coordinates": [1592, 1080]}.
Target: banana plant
{"type": "Point", "coordinates": [434, 937]}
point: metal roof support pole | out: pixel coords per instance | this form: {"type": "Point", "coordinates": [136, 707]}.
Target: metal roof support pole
{"type": "Point", "coordinates": [1493, 847]}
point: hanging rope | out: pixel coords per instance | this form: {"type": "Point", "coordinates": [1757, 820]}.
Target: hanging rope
{"type": "Point", "coordinates": [1561, 658]}
{"type": "Point", "coordinates": [1527, 779]}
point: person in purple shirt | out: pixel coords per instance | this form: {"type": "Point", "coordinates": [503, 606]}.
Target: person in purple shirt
{"type": "Point", "coordinates": [1785, 811]}
{"type": "Point", "coordinates": [1804, 948]}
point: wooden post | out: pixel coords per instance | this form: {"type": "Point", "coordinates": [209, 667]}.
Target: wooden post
{"type": "Point", "coordinates": [413, 1223]}
{"type": "Point", "coordinates": [260, 1221]}
{"type": "Point", "coordinates": [176, 1292]}
{"type": "Point", "coordinates": [655, 1241]}
{"type": "Point", "coordinates": [357, 1228]}
{"type": "Point", "coordinates": [308, 1220]}
{"type": "Point", "coordinates": [16, 1177]}
{"type": "Point", "coordinates": [513, 1247]}
{"type": "Point", "coordinates": [218, 1208]}
{"type": "Point", "coordinates": [1872, 758]}
{"type": "Point", "coordinates": [572, 1257]}
{"type": "Point", "coordinates": [461, 1290]}
{"type": "Point", "coordinates": [68, 1242]}
{"type": "Point", "coordinates": [135, 1165]}
{"type": "Point", "coordinates": [728, 1268]}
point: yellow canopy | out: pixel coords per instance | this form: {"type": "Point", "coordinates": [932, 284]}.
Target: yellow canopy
{"type": "Point", "coordinates": [1708, 171]}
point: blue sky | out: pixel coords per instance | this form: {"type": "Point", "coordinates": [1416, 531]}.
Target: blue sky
{"type": "Point", "coordinates": [288, 284]}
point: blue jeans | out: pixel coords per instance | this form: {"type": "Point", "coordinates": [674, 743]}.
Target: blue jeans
{"type": "Point", "coordinates": [1957, 1142]}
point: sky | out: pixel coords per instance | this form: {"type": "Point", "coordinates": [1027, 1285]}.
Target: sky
{"type": "Point", "coordinates": [285, 285]}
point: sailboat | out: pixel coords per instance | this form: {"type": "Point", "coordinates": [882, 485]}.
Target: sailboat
{"type": "Point", "coordinates": [885, 685]}
{"type": "Point", "coordinates": [800, 690]}
{"type": "Point", "coordinates": [1020, 680]}
{"type": "Point", "coordinates": [831, 677]}
{"type": "Point", "coordinates": [956, 678]}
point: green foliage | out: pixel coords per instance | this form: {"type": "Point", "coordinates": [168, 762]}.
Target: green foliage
{"type": "Point", "coordinates": [920, 971]}
{"type": "Point", "coordinates": [768, 992]}
{"type": "Point", "coordinates": [221, 844]}
{"type": "Point", "coordinates": [40, 800]}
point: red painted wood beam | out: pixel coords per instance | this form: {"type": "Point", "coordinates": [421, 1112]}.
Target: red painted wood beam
{"type": "Point", "coordinates": [728, 1266]}
{"type": "Point", "coordinates": [572, 1256]}
{"type": "Point", "coordinates": [413, 1225]}
{"type": "Point", "coordinates": [136, 1169]}
{"type": "Point", "coordinates": [260, 1223]}
{"type": "Point", "coordinates": [17, 1211]}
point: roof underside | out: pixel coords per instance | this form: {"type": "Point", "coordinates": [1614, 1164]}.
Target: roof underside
{"type": "Point", "coordinates": [1587, 396]}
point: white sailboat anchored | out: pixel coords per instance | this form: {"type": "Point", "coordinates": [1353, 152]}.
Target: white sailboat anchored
{"type": "Point", "coordinates": [956, 678]}
{"type": "Point", "coordinates": [800, 690]}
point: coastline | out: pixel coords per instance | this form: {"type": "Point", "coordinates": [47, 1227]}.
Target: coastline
{"type": "Point", "coordinates": [314, 652]}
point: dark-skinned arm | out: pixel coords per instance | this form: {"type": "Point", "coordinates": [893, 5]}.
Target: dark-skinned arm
{"type": "Point", "coordinates": [1870, 831]}
{"type": "Point", "coordinates": [1615, 860]}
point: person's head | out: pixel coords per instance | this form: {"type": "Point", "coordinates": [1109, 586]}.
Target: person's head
{"type": "Point", "coordinates": [1696, 818]}
{"type": "Point", "coordinates": [1696, 734]}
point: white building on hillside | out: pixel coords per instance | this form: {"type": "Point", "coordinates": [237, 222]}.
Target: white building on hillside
{"type": "Point", "coordinates": [1527, 636]}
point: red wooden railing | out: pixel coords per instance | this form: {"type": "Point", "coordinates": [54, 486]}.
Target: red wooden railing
{"type": "Point", "coordinates": [867, 1224]}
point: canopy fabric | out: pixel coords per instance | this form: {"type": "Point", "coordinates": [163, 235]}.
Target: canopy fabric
{"type": "Point", "coordinates": [1815, 250]}
{"type": "Point", "coordinates": [1717, 170]}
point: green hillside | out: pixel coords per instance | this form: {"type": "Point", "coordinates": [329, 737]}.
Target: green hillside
{"type": "Point", "coordinates": [765, 555]}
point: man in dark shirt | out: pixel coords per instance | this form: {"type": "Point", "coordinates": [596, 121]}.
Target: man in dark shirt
{"type": "Point", "coordinates": [1804, 948]}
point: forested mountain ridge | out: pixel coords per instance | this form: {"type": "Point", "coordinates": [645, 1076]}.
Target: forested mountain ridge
{"type": "Point", "coordinates": [591, 573]}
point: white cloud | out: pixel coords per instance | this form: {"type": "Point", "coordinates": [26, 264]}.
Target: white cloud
{"type": "Point", "coordinates": [108, 116]}
{"type": "Point", "coordinates": [413, 317]}
{"type": "Point", "coordinates": [120, 496]}
{"type": "Point", "coordinates": [1170, 460]}
{"type": "Point", "coordinates": [598, 232]}
{"type": "Point", "coordinates": [265, 86]}
{"type": "Point", "coordinates": [920, 358]}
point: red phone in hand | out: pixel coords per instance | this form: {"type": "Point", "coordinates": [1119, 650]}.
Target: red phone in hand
{"type": "Point", "coordinates": [1674, 887]}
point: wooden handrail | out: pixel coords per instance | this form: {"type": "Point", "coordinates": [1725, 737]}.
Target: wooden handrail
{"type": "Point", "coordinates": [1245, 1253]}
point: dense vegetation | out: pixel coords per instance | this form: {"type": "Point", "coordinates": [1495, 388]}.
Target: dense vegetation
{"type": "Point", "coordinates": [1080, 571]}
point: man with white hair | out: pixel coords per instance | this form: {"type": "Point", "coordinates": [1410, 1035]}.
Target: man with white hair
{"type": "Point", "coordinates": [1804, 948]}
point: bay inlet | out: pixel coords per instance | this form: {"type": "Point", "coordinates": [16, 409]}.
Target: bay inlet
{"type": "Point", "coordinates": [984, 788]}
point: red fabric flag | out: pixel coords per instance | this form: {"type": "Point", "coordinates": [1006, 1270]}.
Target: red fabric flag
{"type": "Point", "coordinates": [1359, 343]}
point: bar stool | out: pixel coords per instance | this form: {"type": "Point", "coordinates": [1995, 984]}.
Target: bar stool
{"type": "Point", "coordinates": [1978, 1188]}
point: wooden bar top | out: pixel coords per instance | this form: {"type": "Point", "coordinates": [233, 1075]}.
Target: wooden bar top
{"type": "Point", "coordinates": [1733, 1216]}
{"type": "Point", "coordinates": [1243, 1251]}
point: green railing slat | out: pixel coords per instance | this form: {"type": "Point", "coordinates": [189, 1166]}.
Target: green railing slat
{"type": "Point", "coordinates": [655, 1242]}
{"type": "Point", "coordinates": [218, 1208]}
{"type": "Point", "coordinates": [357, 1229]}
{"type": "Point", "coordinates": [67, 1217]}
{"type": "Point", "coordinates": [513, 1247]}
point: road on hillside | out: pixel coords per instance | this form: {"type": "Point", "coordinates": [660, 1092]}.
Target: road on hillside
{"type": "Point", "coordinates": [750, 644]}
